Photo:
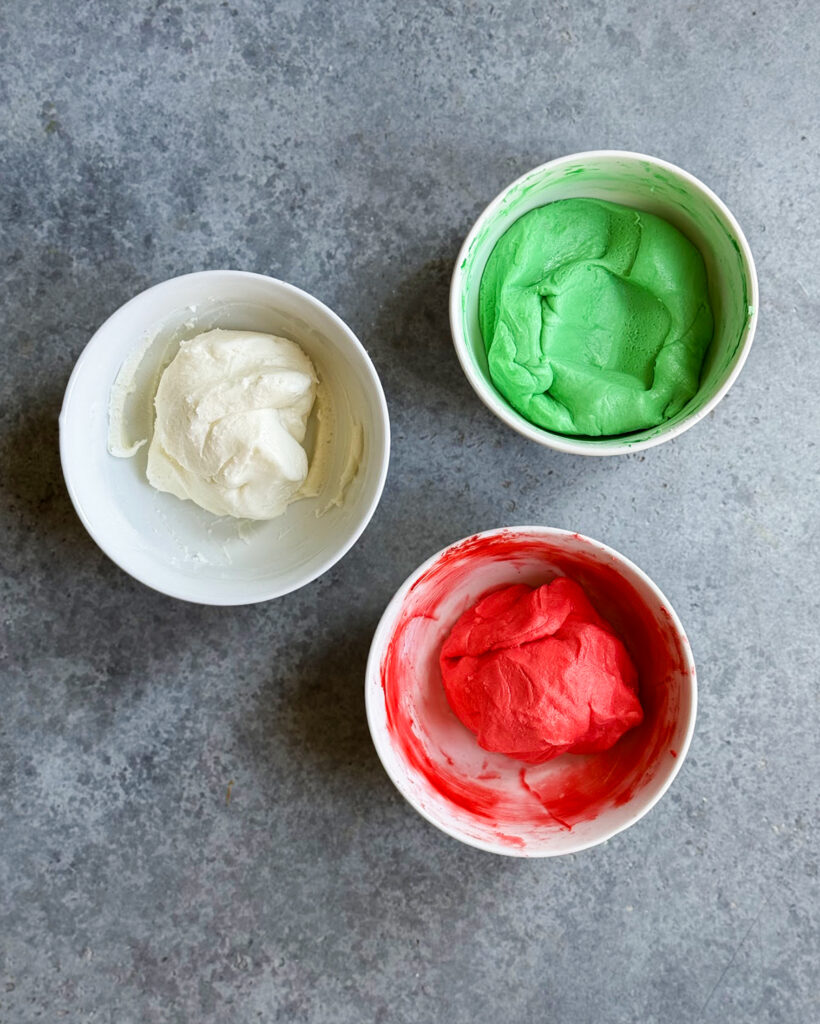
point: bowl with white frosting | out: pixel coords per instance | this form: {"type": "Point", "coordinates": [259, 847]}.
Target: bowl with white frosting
{"type": "Point", "coordinates": [224, 437]}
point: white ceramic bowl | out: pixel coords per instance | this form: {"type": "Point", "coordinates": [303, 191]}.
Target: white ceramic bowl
{"type": "Point", "coordinates": [174, 546]}
{"type": "Point", "coordinates": [491, 801]}
{"type": "Point", "coordinates": [645, 183]}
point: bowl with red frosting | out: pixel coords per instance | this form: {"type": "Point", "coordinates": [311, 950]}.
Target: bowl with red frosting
{"type": "Point", "coordinates": [530, 691]}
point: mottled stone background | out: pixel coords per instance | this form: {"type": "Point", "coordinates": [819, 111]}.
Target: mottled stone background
{"type": "Point", "coordinates": [347, 148]}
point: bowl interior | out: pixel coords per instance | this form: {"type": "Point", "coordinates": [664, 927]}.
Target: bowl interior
{"type": "Point", "coordinates": [647, 185]}
{"type": "Point", "coordinates": [174, 545]}
{"type": "Point", "coordinates": [493, 801]}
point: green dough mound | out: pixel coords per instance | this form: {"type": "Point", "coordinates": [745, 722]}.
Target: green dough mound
{"type": "Point", "coordinates": [595, 317]}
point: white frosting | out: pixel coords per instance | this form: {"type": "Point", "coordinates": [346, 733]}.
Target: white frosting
{"type": "Point", "coordinates": [231, 415]}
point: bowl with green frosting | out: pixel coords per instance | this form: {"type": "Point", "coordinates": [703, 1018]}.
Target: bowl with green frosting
{"type": "Point", "coordinates": [603, 303]}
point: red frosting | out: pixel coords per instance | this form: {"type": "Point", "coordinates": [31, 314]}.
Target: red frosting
{"type": "Point", "coordinates": [535, 673]}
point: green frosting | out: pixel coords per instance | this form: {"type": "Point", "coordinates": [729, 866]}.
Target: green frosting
{"type": "Point", "coordinates": [595, 317]}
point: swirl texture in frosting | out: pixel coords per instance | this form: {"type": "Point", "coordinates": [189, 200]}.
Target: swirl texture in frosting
{"type": "Point", "coordinates": [595, 317]}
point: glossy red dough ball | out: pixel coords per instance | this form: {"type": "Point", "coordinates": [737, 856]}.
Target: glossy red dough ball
{"type": "Point", "coordinates": [535, 673]}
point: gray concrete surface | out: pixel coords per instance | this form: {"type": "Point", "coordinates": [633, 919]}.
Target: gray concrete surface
{"type": "Point", "coordinates": [347, 148]}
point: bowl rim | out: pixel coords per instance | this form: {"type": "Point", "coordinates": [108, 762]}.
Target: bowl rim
{"type": "Point", "coordinates": [373, 687]}
{"type": "Point", "coordinates": [493, 400]}
{"type": "Point", "coordinates": [119, 555]}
